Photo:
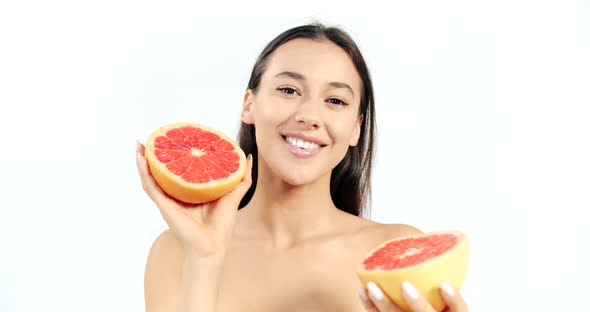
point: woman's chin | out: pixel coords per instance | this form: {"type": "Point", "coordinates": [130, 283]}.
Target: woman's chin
{"type": "Point", "coordinates": [297, 181]}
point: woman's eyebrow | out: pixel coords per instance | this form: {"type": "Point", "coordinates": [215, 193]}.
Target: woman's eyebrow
{"type": "Point", "coordinates": [294, 75]}
{"type": "Point", "coordinates": [298, 76]}
{"type": "Point", "coordinates": [342, 85]}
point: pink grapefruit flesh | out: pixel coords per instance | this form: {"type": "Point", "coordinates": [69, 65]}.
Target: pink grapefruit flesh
{"type": "Point", "coordinates": [425, 260]}
{"type": "Point", "coordinates": [194, 163]}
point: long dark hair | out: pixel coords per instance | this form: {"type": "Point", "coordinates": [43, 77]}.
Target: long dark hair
{"type": "Point", "coordinates": [350, 186]}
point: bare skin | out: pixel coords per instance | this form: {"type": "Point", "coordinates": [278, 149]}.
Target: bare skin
{"type": "Point", "coordinates": [317, 274]}
{"type": "Point", "coordinates": [290, 248]}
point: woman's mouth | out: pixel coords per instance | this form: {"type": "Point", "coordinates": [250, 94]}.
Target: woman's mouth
{"type": "Point", "coordinates": [301, 148]}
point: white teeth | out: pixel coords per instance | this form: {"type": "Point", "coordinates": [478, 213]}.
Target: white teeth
{"type": "Point", "coordinates": [303, 144]}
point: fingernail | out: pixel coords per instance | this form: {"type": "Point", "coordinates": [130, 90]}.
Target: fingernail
{"type": "Point", "coordinates": [410, 291]}
{"type": "Point", "coordinates": [363, 293]}
{"type": "Point", "coordinates": [447, 289]}
{"type": "Point", "coordinates": [374, 291]}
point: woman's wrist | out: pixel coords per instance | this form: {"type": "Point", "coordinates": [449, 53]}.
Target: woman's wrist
{"type": "Point", "coordinates": [209, 258]}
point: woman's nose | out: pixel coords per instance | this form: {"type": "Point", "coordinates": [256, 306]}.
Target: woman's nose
{"type": "Point", "coordinates": [308, 113]}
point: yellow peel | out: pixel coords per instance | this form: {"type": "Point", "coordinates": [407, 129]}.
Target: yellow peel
{"type": "Point", "coordinates": [427, 276]}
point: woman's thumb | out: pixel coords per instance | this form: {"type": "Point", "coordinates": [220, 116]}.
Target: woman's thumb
{"type": "Point", "coordinates": [240, 190]}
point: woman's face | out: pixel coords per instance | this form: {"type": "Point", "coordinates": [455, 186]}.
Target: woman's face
{"type": "Point", "coordinates": [305, 110]}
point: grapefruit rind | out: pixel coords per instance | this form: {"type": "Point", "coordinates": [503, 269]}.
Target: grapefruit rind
{"type": "Point", "coordinates": [182, 190]}
{"type": "Point", "coordinates": [426, 276]}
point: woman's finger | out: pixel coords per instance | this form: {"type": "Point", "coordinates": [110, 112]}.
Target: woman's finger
{"type": "Point", "coordinates": [453, 298]}
{"type": "Point", "coordinates": [165, 204]}
{"type": "Point", "coordinates": [378, 298]}
{"type": "Point", "coordinates": [149, 184]}
{"type": "Point", "coordinates": [367, 304]}
{"type": "Point", "coordinates": [139, 147]}
{"type": "Point", "coordinates": [174, 215]}
{"type": "Point", "coordinates": [415, 301]}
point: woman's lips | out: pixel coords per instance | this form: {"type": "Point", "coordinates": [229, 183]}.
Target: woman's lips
{"type": "Point", "coordinates": [301, 152]}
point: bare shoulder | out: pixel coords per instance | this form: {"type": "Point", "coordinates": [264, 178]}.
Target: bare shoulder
{"type": "Point", "coordinates": [380, 232]}
{"type": "Point", "coordinates": [163, 273]}
{"type": "Point", "coordinates": [398, 230]}
{"type": "Point", "coordinates": [166, 249]}
{"type": "Point", "coordinates": [371, 232]}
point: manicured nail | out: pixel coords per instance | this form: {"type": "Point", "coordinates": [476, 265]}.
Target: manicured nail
{"type": "Point", "coordinates": [374, 291]}
{"type": "Point", "coordinates": [410, 291]}
{"type": "Point", "coordinates": [363, 293]}
{"type": "Point", "coordinates": [447, 289]}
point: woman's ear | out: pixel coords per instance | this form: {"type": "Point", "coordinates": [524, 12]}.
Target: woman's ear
{"type": "Point", "coordinates": [248, 108]}
{"type": "Point", "coordinates": [357, 131]}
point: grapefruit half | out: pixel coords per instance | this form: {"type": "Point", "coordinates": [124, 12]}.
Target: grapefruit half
{"type": "Point", "coordinates": [424, 260]}
{"type": "Point", "coordinates": [194, 163]}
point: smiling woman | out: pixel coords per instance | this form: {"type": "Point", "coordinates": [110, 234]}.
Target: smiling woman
{"type": "Point", "coordinates": [286, 59]}
{"type": "Point", "coordinates": [308, 123]}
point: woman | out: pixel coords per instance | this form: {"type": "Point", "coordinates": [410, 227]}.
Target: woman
{"type": "Point", "coordinates": [308, 125]}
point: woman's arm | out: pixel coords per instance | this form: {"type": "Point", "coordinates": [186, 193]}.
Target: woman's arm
{"type": "Point", "coordinates": [163, 273]}
{"type": "Point", "coordinates": [175, 281]}
{"type": "Point", "coordinates": [184, 265]}
{"type": "Point", "coordinates": [200, 284]}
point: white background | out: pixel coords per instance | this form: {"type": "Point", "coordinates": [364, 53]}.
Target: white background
{"type": "Point", "coordinates": [483, 126]}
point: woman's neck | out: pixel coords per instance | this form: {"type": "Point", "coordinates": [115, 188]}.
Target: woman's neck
{"type": "Point", "coordinates": [286, 214]}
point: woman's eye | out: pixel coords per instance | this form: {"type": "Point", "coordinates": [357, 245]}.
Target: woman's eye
{"type": "Point", "coordinates": [287, 90]}
{"type": "Point", "coordinates": [337, 101]}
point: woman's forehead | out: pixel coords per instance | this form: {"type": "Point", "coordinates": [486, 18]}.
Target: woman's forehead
{"type": "Point", "coordinates": [314, 60]}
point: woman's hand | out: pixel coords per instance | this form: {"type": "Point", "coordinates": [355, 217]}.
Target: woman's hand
{"type": "Point", "coordinates": [374, 300]}
{"type": "Point", "coordinates": [203, 229]}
